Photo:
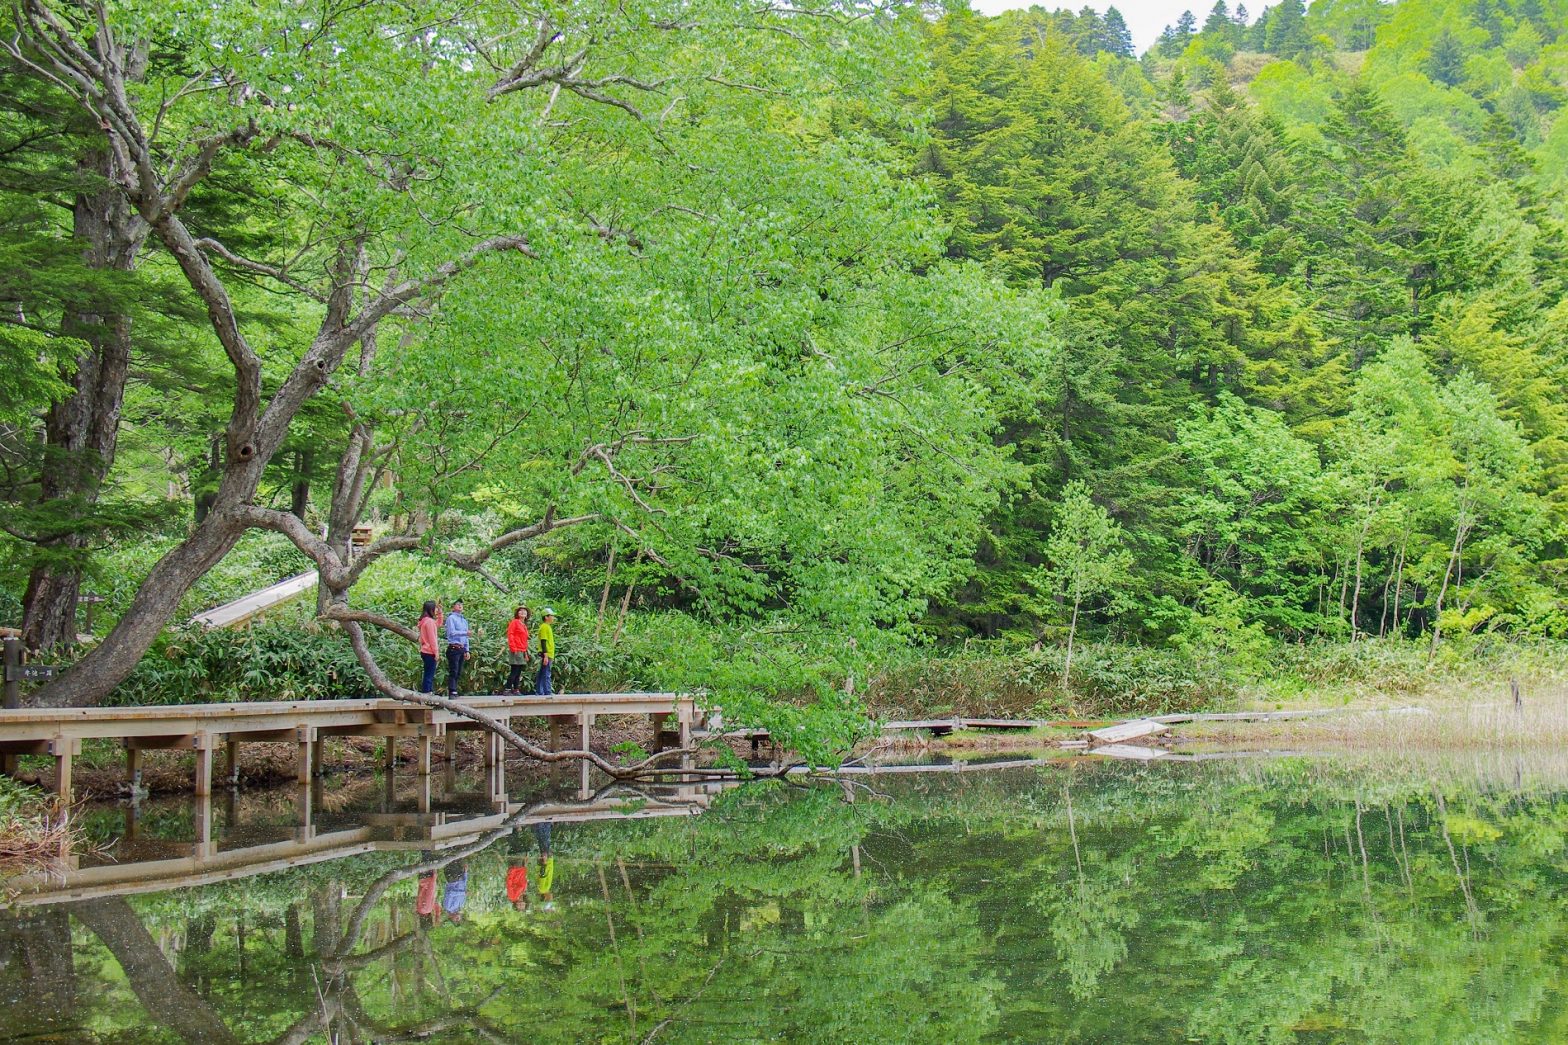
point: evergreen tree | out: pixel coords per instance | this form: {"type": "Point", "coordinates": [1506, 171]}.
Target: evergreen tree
{"type": "Point", "coordinates": [1218, 39]}
{"type": "Point", "coordinates": [1362, 268]}
{"type": "Point", "coordinates": [1446, 61]}
{"type": "Point", "coordinates": [1186, 29]}
{"type": "Point", "coordinates": [1118, 38]}
{"type": "Point", "coordinates": [1090, 32]}
{"type": "Point", "coordinates": [1218, 22]}
{"type": "Point", "coordinates": [1286, 33]}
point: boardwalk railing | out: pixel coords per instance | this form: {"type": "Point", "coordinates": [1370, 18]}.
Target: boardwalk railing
{"type": "Point", "coordinates": [311, 724]}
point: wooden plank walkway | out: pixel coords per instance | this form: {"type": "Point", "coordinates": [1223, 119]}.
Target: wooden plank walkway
{"type": "Point", "coordinates": [203, 728]}
{"type": "Point", "coordinates": [243, 609]}
{"type": "Point", "coordinates": [1124, 731]}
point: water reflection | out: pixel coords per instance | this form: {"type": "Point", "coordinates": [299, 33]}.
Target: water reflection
{"type": "Point", "coordinates": [1282, 900]}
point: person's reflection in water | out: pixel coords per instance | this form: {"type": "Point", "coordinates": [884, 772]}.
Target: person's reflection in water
{"type": "Point", "coordinates": [456, 894]}
{"type": "Point", "coordinates": [546, 866]}
{"type": "Point", "coordinates": [517, 871]}
{"type": "Point", "coordinates": [425, 900]}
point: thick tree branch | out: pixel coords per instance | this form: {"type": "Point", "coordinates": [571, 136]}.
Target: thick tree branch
{"type": "Point", "coordinates": [341, 613]}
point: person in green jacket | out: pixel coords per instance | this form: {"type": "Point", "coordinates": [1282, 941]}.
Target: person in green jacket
{"type": "Point", "coordinates": [542, 685]}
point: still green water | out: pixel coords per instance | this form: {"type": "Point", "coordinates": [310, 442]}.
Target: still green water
{"type": "Point", "coordinates": [1280, 900]}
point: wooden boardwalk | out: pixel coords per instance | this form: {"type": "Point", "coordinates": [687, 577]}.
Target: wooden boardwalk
{"type": "Point", "coordinates": [311, 724]}
{"type": "Point", "coordinates": [244, 609]}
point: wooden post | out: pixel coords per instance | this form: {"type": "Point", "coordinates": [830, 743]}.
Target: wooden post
{"type": "Point", "coordinates": [318, 766]}
{"type": "Point", "coordinates": [133, 766]}
{"type": "Point", "coordinates": [584, 791]}
{"type": "Point", "coordinates": [233, 761]}
{"type": "Point", "coordinates": [450, 752]}
{"type": "Point", "coordinates": [307, 742]}
{"type": "Point", "coordinates": [64, 749]}
{"type": "Point", "coordinates": [389, 756]}
{"type": "Point", "coordinates": [13, 693]}
{"type": "Point", "coordinates": [422, 754]}
{"type": "Point", "coordinates": [13, 668]}
{"type": "Point", "coordinates": [304, 807]}
{"type": "Point", "coordinates": [657, 722]}
{"type": "Point", "coordinates": [203, 743]}
{"type": "Point", "coordinates": [555, 733]}
{"type": "Point", "coordinates": [203, 824]}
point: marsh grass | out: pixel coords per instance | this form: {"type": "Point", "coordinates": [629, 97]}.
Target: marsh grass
{"type": "Point", "coordinates": [1470, 719]}
{"type": "Point", "coordinates": [35, 829]}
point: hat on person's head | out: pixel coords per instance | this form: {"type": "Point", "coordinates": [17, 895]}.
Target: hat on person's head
{"type": "Point", "coordinates": [548, 612]}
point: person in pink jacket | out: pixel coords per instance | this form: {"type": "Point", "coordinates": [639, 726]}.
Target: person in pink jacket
{"type": "Point", "coordinates": [430, 621]}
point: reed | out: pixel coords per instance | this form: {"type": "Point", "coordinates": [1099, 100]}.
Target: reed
{"type": "Point", "coordinates": [36, 830]}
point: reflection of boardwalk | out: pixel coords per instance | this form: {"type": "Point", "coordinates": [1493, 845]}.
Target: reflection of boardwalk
{"type": "Point", "coordinates": [203, 861]}
{"type": "Point", "coordinates": [311, 724]}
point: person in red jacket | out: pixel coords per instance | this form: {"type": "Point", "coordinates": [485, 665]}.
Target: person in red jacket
{"type": "Point", "coordinates": [516, 649]}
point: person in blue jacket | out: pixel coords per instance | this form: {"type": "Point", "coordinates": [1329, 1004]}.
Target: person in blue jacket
{"type": "Point", "coordinates": [456, 647]}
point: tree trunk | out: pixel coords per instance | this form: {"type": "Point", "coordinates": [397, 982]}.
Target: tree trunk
{"type": "Point", "coordinates": [1072, 633]}
{"type": "Point", "coordinates": [1355, 595]}
{"type": "Point", "coordinates": [81, 430]}
{"type": "Point", "coordinates": [299, 496]}
{"type": "Point", "coordinates": [166, 999]}
{"type": "Point", "coordinates": [626, 603]}
{"type": "Point", "coordinates": [156, 601]}
{"type": "Point", "coordinates": [604, 596]}
{"type": "Point", "coordinates": [1399, 580]}
{"type": "Point", "coordinates": [1461, 528]}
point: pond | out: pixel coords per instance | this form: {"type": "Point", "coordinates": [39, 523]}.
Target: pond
{"type": "Point", "coordinates": [1299, 899]}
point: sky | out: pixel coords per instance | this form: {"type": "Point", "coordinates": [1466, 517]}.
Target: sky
{"type": "Point", "coordinates": [1144, 17]}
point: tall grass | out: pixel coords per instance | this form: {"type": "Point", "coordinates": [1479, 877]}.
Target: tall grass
{"type": "Point", "coordinates": [34, 830]}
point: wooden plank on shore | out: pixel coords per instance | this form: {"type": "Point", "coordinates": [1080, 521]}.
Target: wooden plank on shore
{"type": "Point", "coordinates": [1133, 752]}
{"type": "Point", "coordinates": [1000, 723]}
{"type": "Point", "coordinates": [1123, 731]}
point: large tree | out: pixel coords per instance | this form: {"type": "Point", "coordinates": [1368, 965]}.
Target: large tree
{"type": "Point", "coordinates": [569, 268]}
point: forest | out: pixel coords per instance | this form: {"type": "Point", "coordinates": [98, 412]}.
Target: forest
{"type": "Point", "coordinates": [789, 349]}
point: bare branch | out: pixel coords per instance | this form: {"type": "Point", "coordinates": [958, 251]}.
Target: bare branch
{"type": "Point", "coordinates": [197, 167]}
{"type": "Point", "coordinates": [212, 246]}
{"type": "Point", "coordinates": [506, 540]}
{"type": "Point", "coordinates": [424, 286]}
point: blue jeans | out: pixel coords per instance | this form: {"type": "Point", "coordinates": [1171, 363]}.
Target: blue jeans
{"type": "Point", "coordinates": [542, 683]}
{"type": "Point", "coordinates": [428, 683]}
{"type": "Point", "coordinates": [454, 668]}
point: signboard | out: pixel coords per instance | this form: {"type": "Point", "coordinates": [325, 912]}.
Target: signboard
{"type": "Point", "coordinates": [30, 672]}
